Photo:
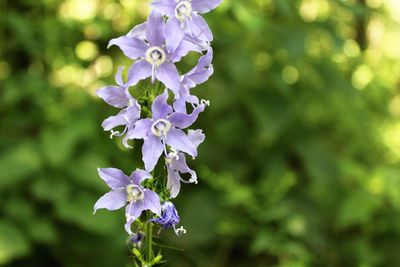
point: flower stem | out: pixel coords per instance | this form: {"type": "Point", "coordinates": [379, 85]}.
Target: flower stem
{"type": "Point", "coordinates": [149, 239]}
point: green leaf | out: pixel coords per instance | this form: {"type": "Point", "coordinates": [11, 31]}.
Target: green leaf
{"type": "Point", "coordinates": [13, 243]}
{"type": "Point", "coordinates": [18, 163]}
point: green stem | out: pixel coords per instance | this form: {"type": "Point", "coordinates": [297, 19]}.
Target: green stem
{"type": "Point", "coordinates": [149, 239]}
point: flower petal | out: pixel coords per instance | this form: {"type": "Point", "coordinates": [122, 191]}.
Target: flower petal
{"type": "Point", "coordinates": [113, 177]}
{"type": "Point", "coordinates": [128, 223]}
{"type": "Point", "coordinates": [141, 129]}
{"type": "Point", "coordinates": [183, 49]}
{"type": "Point", "coordinates": [173, 182]}
{"type": "Point", "coordinates": [178, 140]}
{"type": "Point", "coordinates": [202, 71]}
{"type": "Point", "coordinates": [132, 47]}
{"type": "Point", "coordinates": [154, 29]}
{"type": "Point", "coordinates": [204, 6]}
{"type": "Point", "coordinates": [165, 7]}
{"type": "Point", "coordinates": [114, 96]}
{"type": "Point", "coordinates": [180, 104]}
{"type": "Point", "coordinates": [114, 121]}
{"type": "Point", "coordinates": [112, 200]}
{"type": "Point", "coordinates": [139, 70]}
{"type": "Point", "coordinates": [196, 136]}
{"type": "Point", "coordinates": [182, 120]}
{"type": "Point", "coordinates": [152, 150]}
{"type": "Point", "coordinates": [139, 31]}
{"type": "Point", "coordinates": [118, 76]}
{"type": "Point", "coordinates": [152, 201]}
{"type": "Point", "coordinates": [173, 34]}
{"type": "Point", "coordinates": [134, 210]}
{"type": "Point", "coordinates": [200, 29]}
{"type": "Point", "coordinates": [160, 108]}
{"type": "Point", "coordinates": [133, 112]}
{"type": "Point", "coordinates": [168, 74]}
{"type": "Point", "coordinates": [140, 175]}
{"type": "Point", "coordinates": [181, 166]}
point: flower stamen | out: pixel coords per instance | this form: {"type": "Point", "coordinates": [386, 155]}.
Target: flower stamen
{"type": "Point", "coordinates": [134, 193]}
{"type": "Point", "coordinates": [161, 127]}
{"type": "Point", "coordinates": [183, 10]}
{"type": "Point", "coordinates": [155, 56]}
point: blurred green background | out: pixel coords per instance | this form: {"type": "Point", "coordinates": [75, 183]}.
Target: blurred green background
{"type": "Point", "coordinates": [301, 165]}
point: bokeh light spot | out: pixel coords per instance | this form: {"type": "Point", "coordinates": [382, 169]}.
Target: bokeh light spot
{"type": "Point", "coordinates": [290, 74]}
{"type": "Point", "coordinates": [86, 50]}
{"type": "Point", "coordinates": [103, 66]}
{"type": "Point", "coordinates": [376, 185]}
{"type": "Point", "coordinates": [4, 70]}
{"type": "Point", "coordinates": [78, 10]}
{"type": "Point", "coordinates": [351, 48]}
{"type": "Point", "coordinates": [111, 11]}
{"type": "Point", "coordinates": [263, 60]}
{"type": "Point", "coordinates": [362, 76]}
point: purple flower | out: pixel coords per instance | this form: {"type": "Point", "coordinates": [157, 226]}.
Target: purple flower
{"type": "Point", "coordinates": [119, 97]}
{"type": "Point", "coordinates": [169, 216]}
{"type": "Point", "coordinates": [155, 55]}
{"type": "Point", "coordinates": [176, 165]}
{"type": "Point", "coordinates": [164, 128]}
{"type": "Point", "coordinates": [184, 18]}
{"type": "Point", "coordinates": [136, 237]}
{"type": "Point", "coordinates": [198, 75]}
{"type": "Point", "coordinates": [127, 190]}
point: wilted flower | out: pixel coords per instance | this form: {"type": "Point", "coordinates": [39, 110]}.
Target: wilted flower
{"type": "Point", "coordinates": [169, 218]}
{"type": "Point", "coordinates": [136, 237]}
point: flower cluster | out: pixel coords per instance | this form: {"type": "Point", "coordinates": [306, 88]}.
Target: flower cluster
{"type": "Point", "coordinates": [160, 118]}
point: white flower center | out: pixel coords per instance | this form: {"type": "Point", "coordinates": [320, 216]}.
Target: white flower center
{"type": "Point", "coordinates": [155, 55]}
{"type": "Point", "coordinates": [183, 10]}
{"type": "Point", "coordinates": [134, 193]}
{"type": "Point", "coordinates": [160, 127]}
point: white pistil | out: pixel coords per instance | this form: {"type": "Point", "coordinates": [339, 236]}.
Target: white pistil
{"type": "Point", "coordinates": [118, 133]}
{"type": "Point", "coordinates": [180, 231]}
{"type": "Point", "coordinates": [155, 56]}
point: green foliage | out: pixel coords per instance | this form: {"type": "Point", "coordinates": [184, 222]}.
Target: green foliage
{"type": "Point", "coordinates": [300, 166]}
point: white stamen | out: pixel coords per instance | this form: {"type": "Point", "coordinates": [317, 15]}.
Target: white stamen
{"type": "Point", "coordinates": [134, 193]}
{"type": "Point", "coordinates": [161, 127]}
{"type": "Point", "coordinates": [183, 10]}
{"type": "Point", "coordinates": [155, 55]}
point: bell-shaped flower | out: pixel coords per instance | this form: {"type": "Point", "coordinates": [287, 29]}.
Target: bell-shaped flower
{"type": "Point", "coordinates": [184, 18]}
{"type": "Point", "coordinates": [119, 97]}
{"type": "Point", "coordinates": [154, 55]}
{"type": "Point", "coordinates": [128, 191]}
{"type": "Point", "coordinates": [164, 128]}
{"type": "Point", "coordinates": [198, 75]}
{"type": "Point", "coordinates": [176, 165]}
{"type": "Point", "coordinates": [169, 218]}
